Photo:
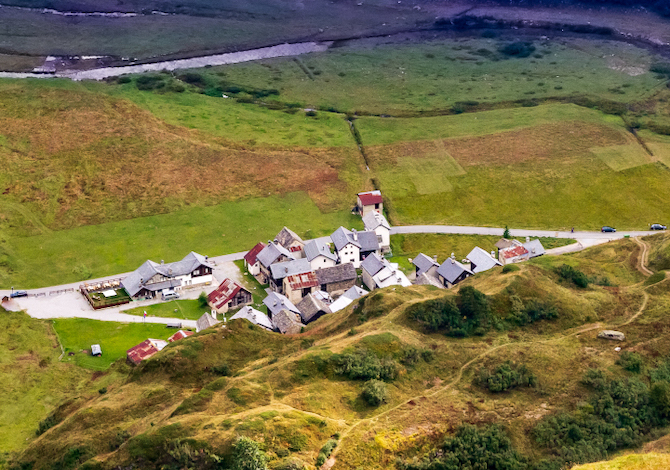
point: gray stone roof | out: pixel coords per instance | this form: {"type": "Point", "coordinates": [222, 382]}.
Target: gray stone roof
{"type": "Point", "coordinates": [254, 316]}
{"type": "Point", "coordinates": [451, 269]}
{"type": "Point", "coordinates": [423, 263]}
{"type": "Point", "coordinates": [270, 253]}
{"type": "Point", "coordinates": [310, 306]}
{"type": "Point", "coordinates": [315, 248]}
{"type": "Point", "coordinates": [534, 248]}
{"type": "Point", "coordinates": [290, 268]}
{"type": "Point", "coordinates": [482, 260]}
{"type": "Point", "coordinates": [339, 273]}
{"type": "Point", "coordinates": [368, 241]}
{"type": "Point", "coordinates": [341, 237]}
{"type": "Point", "coordinates": [136, 280]}
{"type": "Point", "coordinates": [372, 264]}
{"type": "Point", "coordinates": [276, 302]}
{"type": "Point", "coordinates": [286, 236]}
{"type": "Point", "coordinates": [205, 321]}
{"type": "Point", "coordinates": [374, 219]}
{"type": "Point", "coordinates": [287, 322]}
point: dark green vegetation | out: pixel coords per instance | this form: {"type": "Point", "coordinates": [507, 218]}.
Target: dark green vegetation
{"type": "Point", "coordinates": [370, 370]}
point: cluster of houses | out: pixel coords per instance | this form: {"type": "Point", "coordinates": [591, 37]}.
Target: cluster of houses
{"type": "Point", "coordinates": [309, 279]}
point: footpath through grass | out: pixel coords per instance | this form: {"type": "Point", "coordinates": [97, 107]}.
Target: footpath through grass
{"type": "Point", "coordinates": [78, 334]}
{"type": "Point", "coordinates": [119, 247]}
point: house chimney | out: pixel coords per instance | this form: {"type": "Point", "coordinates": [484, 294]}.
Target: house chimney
{"type": "Point", "coordinates": [214, 314]}
{"type": "Point", "coordinates": [435, 258]}
{"type": "Point", "coordinates": [453, 261]}
{"type": "Point", "coordinates": [527, 239]}
{"type": "Point", "coordinates": [162, 261]}
{"type": "Point", "coordinates": [285, 269]}
{"type": "Point", "coordinates": [274, 304]}
{"type": "Point", "coordinates": [276, 241]}
{"type": "Point", "coordinates": [453, 256]}
{"type": "Point", "coordinates": [354, 233]}
{"type": "Point", "coordinates": [493, 254]}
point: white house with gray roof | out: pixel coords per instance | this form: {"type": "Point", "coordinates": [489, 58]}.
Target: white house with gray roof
{"type": "Point", "coordinates": [371, 266]}
{"type": "Point", "coordinates": [318, 253]}
{"type": "Point", "coordinates": [151, 278]}
{"type": "Point", "coordinates": [424, 264]}
{"type": "Point", "coordinates": [377, 223]}
{"type": "Point", "coordinates": [481, 260]}
{"type": "Point", "coordinates": [347, 246]}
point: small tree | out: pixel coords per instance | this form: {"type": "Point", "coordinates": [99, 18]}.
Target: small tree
{"type": "Point", "coordinates": [248, 456]}
{"type": "Point", "coordinates": [374, 392]}
{"type": "Point", "coordinates": [506, 233]}
{"type": "Point", "coordinates": [202, 298]}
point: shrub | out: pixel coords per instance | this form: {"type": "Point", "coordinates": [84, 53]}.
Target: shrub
{"type": "Point", "coordinates": [510, 268]}
{"type": "Point", "coordinates": [630, 361]}
{"type": "Point", "coordinates": [363, 365]}
{"type": "Point", "coordinates": [247, 455]}
{"type": "Point", "coordinates": [102, 391]}
{"type": "Point", "coordinates": [325, 452]}
{"type": "Point", "coordinates": [517, 49]}
{"type": "Point", "coordinates": [118, 439]}
{"type": "Point", "coordinates": [223, 369]}
{"type": "Point", "coordinates": [662, 68]}
{"type": "Point", "coordinates": [374, 392]}
{"type": "Point", "coordinates": [202, 299]}
{"type": "Point", "coordinates": [149, 82]}
{"type": "Point", "coordinates": [124, 79]}
{"type": "Point", "coordinates": [573, 275]}
{"type": "Point", "coordinates": [654, 278]}
{"type": "Point", "coordinates": [505, 377]}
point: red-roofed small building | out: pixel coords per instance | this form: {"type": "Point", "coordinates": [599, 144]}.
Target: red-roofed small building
{"type": "Point", "coordinates": [513, 254]}
{"type": "Point", "coordinates": [144, 350]}
{"type": "Point", "coordinates": [298, 286]}
{"type": "Point", "coordinates": [370, 201]}
{"type": "Point", "coordinates": [181, 334]}
{"type": "Point", "coordinates": [228, 295]}
{"type": "Point", "coordinates": [251, 259]}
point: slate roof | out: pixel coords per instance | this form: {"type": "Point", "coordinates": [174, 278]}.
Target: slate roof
{"type": "Point", "coordinates": [310, 306]}
{"type": "Point", "coordinates": [423, 263]}
{"type": "Point", "coordinates": [290, 268]}
{"type": "Point", "coordinates": [339, 273]}
{"type": "Point", "coordinates": [391, 276]}
{"type": "Point", "coordinates": [482, 260]}
{"type": "Point", "coordinates": [452, 269]}
{"type": "Point", "coordinates": [368, 241]}
{"type": "Point", "coordinates": [372, 264]}
{"type": "Point", "coordinates": [271, 252]}
{"type": "Point", "coordinates": [345, 299]}
{"type": "Point", "coordinates": [205, 321]}
{"type": "Point", "coordinates": [134, 282]}
{"type": "Point", "coordinates": [425, 279]}
{"type": "Point", "coordinates": [224, 293]}
{"type": "Point", "coordinates": [145, 350]}
{"type": "Point", "coordinates": [181, 334]}
{"type": "Point", "coordinates": [369, 198]}
{"type": "Point", "coordinates": [342, 237]}
{"type": "Point", "coordinates": [315, 248]}
{"type": "Point", "coordinates": [276, 302]}
{"type": "Point", "coordinates": [286, 236]}
{"type": "Point", "coordinates": [302, 281]}
{"type": "Point", "coordinates": [251, 256]}
{"type": "Point", "coordinates": [287, 322]}
{"type": "Point", "coordinates": [534, 248]}
{"type": "Point", "coordinates": [374, 219]}
{"type": "Point", "coordinates": [254, 316]}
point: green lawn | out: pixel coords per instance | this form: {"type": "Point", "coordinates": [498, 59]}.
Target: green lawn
{"type": "Point", "coordinates": [32, 380]}
{"type": "Point", "coordinates": [398, 78]}
{"type": "Point", "coordinates": [77, 334]}
{"type": "Point", "coordinates": [120, 247]}
{"type": "Point", "coordinates": [184, 309]}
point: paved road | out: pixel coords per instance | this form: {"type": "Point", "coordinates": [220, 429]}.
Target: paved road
{"type": "Point", "coordinates": [519, 233]}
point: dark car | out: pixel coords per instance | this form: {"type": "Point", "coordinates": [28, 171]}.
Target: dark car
{"type": "Point", "coordinates": [658, 227]}
{"type": "Point", "coordinates": [608, 229]}
{"type": "Point", "coordinates": [18, 293]}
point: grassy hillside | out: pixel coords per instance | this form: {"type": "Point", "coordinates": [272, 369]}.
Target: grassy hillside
{"type": "Point", "coordinates": [291, 394]}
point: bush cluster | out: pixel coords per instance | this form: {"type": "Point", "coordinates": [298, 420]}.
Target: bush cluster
{"type": "Point", "coordinates": [364, 365]}
{"type": "Point", "coordinates": [325, 452]}
{"type": "Point", "coordinates": [505, 377]}
{"type": "Point", "coordinates": [573, 275]}
{"type": "Point", "coordinates": [466, 315]}
{"type": "Point", "coordinates": [517, 49]}
{"type": "Point", "coordinates": [471, 448]}
{"type": "Point", "coordinates": [630, 361]}
{"type": "Point", "coordinates": [374, 392]}
{"type": "Point", "coordinates": [523, 313]}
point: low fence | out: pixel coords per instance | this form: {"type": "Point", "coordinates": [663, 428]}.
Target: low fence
{"type": "Point", "coordinates": [98, 287]}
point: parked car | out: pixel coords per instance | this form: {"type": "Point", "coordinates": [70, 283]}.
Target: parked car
{"type": "Point", "coordinates": [170, 295]}
{"type": "Point", "coordinates": [658, 227]}
{"type": "Point", "coordinates": [96, 350]}
{"type": "Point", "coordinates": [607, 229]}
{"type": "Point", "coordinates": [18, 293]}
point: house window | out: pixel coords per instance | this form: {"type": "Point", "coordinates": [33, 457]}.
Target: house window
{"type": "Point", "coordinates": [377, 206]}
{"type": "Point", "coordinates": [379, 238]}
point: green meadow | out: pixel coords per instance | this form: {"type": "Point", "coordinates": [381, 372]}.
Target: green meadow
{"type": "Point", "coordinates": [183, 309]}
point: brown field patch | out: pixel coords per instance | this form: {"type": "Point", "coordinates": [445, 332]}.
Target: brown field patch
{"type": "Point", "coordinates": [83, 158]}
{"type": "Point", "coordinates": [545, 142]}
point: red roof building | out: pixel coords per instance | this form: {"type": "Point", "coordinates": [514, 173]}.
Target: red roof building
{"type": "Point", "coordinates": [298, 286]}
{"type": "Point", "coordinates": [250, 257]}
{"type": "Point", "coordinates": [228, 295]}
{"type": "Point", "coordinates": [513, 252]}
{"type": "Point", "coordinates": [181, 334]}
{"type": "Point", "coordinates": [144, 350]}
{"type": "Point", "coordinates": [370, 201]}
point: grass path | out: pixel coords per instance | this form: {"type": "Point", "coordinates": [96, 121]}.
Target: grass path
{"type": "Point", "coordinates": [642, 260]}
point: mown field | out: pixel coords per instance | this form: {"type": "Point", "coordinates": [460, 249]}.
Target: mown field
{"type": "Point", "coordinates": [292, 394]}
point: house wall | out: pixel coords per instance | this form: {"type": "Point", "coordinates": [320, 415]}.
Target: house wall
{"type": "Point", "coordinates": [365, 210]}
{"type": "Point", "coordinates": [350, 254]}
{"type": "Point", "coordinates": [368, 281]}
{"type": "Point", "coordinates": [384, 235]}
{"type": "Point", "coordinates": [296, 296]}
{"type": "Point", "coordinates": [254, 269]}
{"type": "Point", "coordinates": [321, 262]}
{"type": "Point", "coordinates": [188, 280]}
{"type": "Point", "coordinates": [338, 288]}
